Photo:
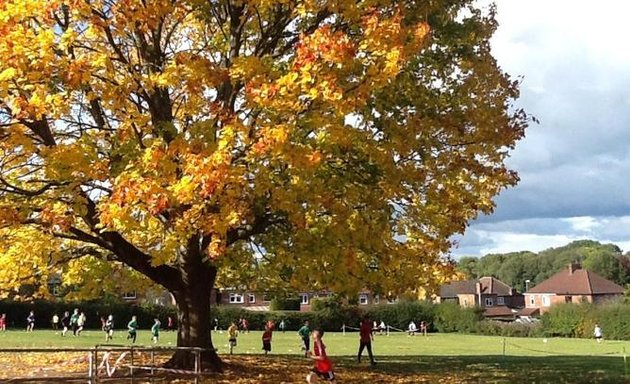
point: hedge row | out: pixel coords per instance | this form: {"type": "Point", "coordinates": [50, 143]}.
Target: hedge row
{"type": "Point", "coordinates": [566, 320]}
{"type": "Point", "coordinates": [17, 312]}
{"type": "Point", "coordinates": [578, 320]}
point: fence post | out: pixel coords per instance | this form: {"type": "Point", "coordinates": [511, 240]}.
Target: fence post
{"type": "Point", "coordinates": [503, 342]}
{"type": "Point", "coordinates": [196, 362]}
{"type": "Point", "coordinates": [96, 364]}
{"type": "Point", "coordinates": [90, 366]}
{"type": "Point", "coordinates": [152, 359]}
{"type": "Point", "coordinates": [388, 330]}
{"type": "Point", "coordinates": [343, 329]}
{"type": "Point", "coordinates": [625, 362]}
{"type": "Point", "coordinates": [131, 365]}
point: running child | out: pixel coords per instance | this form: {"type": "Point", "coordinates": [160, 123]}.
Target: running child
{"type": "Point", "coordinates": [3, 322]}
{"type": "Point", "coordinates": [55, 322]}
{"type": "Point", "coordinates": [232, 335]}
{"type": "Point", "coordinates": [74, 321]}
{"type": "Point", "coordinates": [266, 339]}
{"type": "Point", "coordinates": [323, 366]}
{"type": "Point", "coordinates": [305, 335]}
{"type": "Point", "coordinates": [80, 323]}
{"type": "Point", "coordinates": [108, 328]}
{"type": "Point", "coordinates": [155, 330]}
{"type": "Point", "coordinates": [132, 328]}
{"type": "Point", "coordinates": [65, 322]}
{"type": "Point", "coordinates": [30, 322]}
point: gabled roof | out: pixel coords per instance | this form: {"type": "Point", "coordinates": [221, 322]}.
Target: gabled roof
{"type": "Point", "coordinates": [529, 312]}
{"type": "Point", "coordinates": [489, 285]}
{"type": "Point", "coordinates": [458, 288]}
{"type": "Point", "coordinates": [572, 281]}
{"type": "Point", "coordinates": [499, 311]}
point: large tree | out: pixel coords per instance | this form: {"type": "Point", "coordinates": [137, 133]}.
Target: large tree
{"type": "Point", "coordinates": [319, 143]}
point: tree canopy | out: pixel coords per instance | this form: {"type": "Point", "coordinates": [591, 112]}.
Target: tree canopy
{"type": "Point", "coordinates": [514, 268]}
{"type": "Point", "coordinates": [334, 144]}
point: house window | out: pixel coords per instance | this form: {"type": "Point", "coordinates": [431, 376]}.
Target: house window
{"type": "Point", "coordinates": [130, 295]}
{"type": "Point", "coordinates": [252, 298]}
{"type": "Point", "coordinates": [500, 300]}
{"type": "Point", "coordinates": [546, 301]}
{"type": "Point", "coordinates": [236, 298]}
{"type": "Point", "coordinates": [304, 300]}
{"type": "Point", "coordinates": [568, 299]}
{"type": "Point", "coordinates": [465, 302]}
{"type": "Point", "coordinates": [376, 299]}
{"type": "Point", "coordinates": [266, 299]}
{"type": "Point", "coordinates": [363, 299]}
{"type": "Point", "coordinates": [532, 300]}
{"type": "Point", "coordinates": [489, 302]}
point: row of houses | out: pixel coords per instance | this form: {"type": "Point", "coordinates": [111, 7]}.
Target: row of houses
{"type": "Point", "coordinates": [500, 301]}
{"type": "Point", "coordinates": [497, 299]}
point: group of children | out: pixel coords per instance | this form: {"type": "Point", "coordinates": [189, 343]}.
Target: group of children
{"type": "Point", "coordinates": [322, 369]}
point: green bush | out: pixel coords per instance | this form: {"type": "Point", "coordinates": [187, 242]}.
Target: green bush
{"type": "Point", "coordinates": [450, 317]}
{"type": "Point", "coordinates": [400, 314]}
{"type": "Point", "coordinates": [565, 319]}
{"type": "Point", "coordinates": [285, 304]}
{"type": "Point", "coordinates": [512, 329]}
{"type": "Point", "coordinates": [17, 312]}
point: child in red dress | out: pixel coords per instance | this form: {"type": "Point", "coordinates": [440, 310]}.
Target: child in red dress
{"type": "Point", "coordinates": [323, 366]}
{"type": "Point", "coordinates": [266, 339]}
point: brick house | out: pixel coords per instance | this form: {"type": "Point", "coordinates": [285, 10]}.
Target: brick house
{"type": "Point", "coordinates": [498, 299]}
{"type": "Point", "coordinates": [572, 285]}
{"type": "Point", "coordinates": [260, 301]}
{"type": "Point", "coordinates": [241, 298]}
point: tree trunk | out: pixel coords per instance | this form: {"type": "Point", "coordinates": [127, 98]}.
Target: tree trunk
{"type": "Point", "coordinates": [193, 327]}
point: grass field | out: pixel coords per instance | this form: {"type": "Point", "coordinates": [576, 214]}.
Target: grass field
{"type": "Point", "coordinates": [447, 358]}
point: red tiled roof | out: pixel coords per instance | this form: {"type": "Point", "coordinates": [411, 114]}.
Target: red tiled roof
{"type": "Point", "coordinates": [529, 312]}
{"type": "Point", "coordinates": [489, 285]}
{"type": "Point", "coordinates": [500, 311]}
{"type": "Point", "coordinates": [577, 282]}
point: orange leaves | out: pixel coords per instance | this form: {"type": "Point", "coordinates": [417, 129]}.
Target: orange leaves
{"type": "Point", "coordinates": [324, 45]}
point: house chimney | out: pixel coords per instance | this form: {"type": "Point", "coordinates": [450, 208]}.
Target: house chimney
{"type": "Point", "coordinates": [574, 266]}
{"type": "Point", "coordinates": [491, 280]}
{"type": "Point", "coordinates": [478, 289]}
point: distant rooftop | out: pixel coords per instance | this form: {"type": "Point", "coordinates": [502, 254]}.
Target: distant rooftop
{"type": "Point", "coordinates": [577, 281]}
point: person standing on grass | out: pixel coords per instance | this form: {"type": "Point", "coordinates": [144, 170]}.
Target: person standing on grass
{"type": "Point", "coordinates": [55, 322]}
{"type": "Point", "coordinates": [3, 322]}
{"type": "Point", "coordinates": [74, 321]}
{"type": "Point", "coordinates": [155, 330]}
{"type": "Point", "coordinates": [423, 328]}
{"type": "Point", "coordinates": [282, 326]}
{"type": "Point", "coordinates": [366, 334]}
{"type": "Point", "coordinates": [598, 333]}
{"type": "Point", "coordinates": [108, 328]}
{"type": "Point", "coordinates": [323, 366]}
{"type": "Point", "coordinates": [232, 335]}
{"type": "Point", "coordinates": [65, 322]}
{"type": "Point", "coordinates": [132, 328]}
{"type": "Point", "coordinates": [266, 339]}
{"type": "Point", "coordinates": [169, 324]}
{"type": "Point", "coordinates": [305, 335]}
{"type": "Point", "coordinates": [381, 327]}
{"type": "Point", "coordinates": [30, 321]}
{"type": "Point", "coordinates": [412, 328]}
{"type": "Point", "coordinates": [245, 325]}
{"type": "Point", "coordinates": [80, 323]}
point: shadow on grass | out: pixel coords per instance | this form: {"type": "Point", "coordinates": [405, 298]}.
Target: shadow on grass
{"type": "Point", "coordinates": [498, 369]}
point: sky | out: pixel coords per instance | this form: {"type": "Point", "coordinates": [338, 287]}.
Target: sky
{"type": "Point", "coordinates": [575, 165]}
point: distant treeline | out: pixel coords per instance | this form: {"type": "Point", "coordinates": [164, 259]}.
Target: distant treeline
{"type": "Point", "coordinates": [515, 268]}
